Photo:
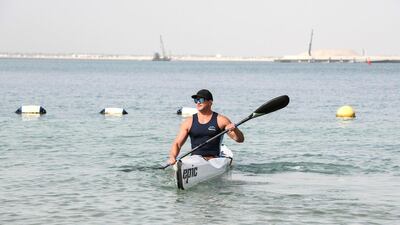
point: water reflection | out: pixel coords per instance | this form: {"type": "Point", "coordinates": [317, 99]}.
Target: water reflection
{"type": "Point", "coordinates": [30, 117]}
{"type": "Point", "coordinates": [114, 117]}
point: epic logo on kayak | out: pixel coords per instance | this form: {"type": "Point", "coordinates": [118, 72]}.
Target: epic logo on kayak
{"type": "Point", "coordinates": [188, 173]}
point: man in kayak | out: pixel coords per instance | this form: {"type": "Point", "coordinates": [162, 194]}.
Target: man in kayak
{"type": "Point", "coordinates": [202, 126]}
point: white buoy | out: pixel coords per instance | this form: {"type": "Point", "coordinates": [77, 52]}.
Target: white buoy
{"type": "Point", "coordinates": [31, 109]}
{"type": "Point", "coordinates": [186, 111]}
{"type": "Point", "coordinates": [113, 111]}
{"type": "Point", "coordinates": [345, 112]}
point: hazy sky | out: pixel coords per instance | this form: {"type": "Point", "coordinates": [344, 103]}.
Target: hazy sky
{"type": "Point", "coordinates": [206, 27]}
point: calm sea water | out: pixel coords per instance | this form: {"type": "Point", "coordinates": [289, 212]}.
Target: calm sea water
{"type": "Point", "coordinates": [299, 165]}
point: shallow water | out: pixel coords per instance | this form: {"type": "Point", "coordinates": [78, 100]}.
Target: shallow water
{"type": "Point", "coordinates": [298, 165]}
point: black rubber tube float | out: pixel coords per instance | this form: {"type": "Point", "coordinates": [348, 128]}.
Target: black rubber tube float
{"type": "Point", "coordinates": [113, 111]}
{"type": "Point", "coordinates": [186, 111]}
{"type": "Point", "coordinates": [31, 109]}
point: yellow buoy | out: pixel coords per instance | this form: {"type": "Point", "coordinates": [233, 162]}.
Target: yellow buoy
{"type": "Point", "coordinates": [345, 112]}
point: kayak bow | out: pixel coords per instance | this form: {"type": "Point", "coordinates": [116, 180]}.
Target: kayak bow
{"type": "Point", "coordinates": [194, 169]}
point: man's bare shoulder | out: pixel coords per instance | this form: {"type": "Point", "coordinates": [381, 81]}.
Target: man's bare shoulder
{"type": "Point", "coordinates": [223, 121]}
{"type": "Point", "coordinates": [187, 123]}
{"type": "Point", "coordinates": [222, 117]}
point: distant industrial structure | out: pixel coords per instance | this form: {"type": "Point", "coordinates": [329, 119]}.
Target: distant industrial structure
{"type": "Point", "coordinates": [333, 56]}
{"type": "Point", "coordinates": [309, 46]}
{"type": "Point", "coordinates": [163, 57]}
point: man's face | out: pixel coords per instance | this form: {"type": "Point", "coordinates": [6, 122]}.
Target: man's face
{"type": "Point", "coordinates": [202, 103]}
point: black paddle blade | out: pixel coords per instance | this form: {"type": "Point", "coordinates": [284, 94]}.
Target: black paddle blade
{"type": "Point", "coordinates": [272, 105]}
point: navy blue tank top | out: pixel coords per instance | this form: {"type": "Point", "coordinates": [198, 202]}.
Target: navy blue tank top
{"type": "Point", "coordinates": [200, 133]}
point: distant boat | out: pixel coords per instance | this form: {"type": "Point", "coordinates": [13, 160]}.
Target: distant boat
{"type": "Point", "coordinates": [157, 56]}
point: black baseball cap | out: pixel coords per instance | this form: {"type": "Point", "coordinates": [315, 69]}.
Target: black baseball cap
{"type": "Point", "coordinates": [203, 93]}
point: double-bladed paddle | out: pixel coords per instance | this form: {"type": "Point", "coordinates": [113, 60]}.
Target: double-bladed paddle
{"type": "Point", "coordinates": [268, 107]}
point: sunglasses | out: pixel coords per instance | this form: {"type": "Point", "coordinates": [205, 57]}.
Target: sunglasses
{"type": "Point", "coordinates": [199, 100]}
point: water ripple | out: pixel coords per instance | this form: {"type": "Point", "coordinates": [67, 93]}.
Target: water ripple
{"type": "Point", "coordinates": [306, 167]}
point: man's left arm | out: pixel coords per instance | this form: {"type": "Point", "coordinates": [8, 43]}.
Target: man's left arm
{"type": "Point", "coordinates": [233, 132]}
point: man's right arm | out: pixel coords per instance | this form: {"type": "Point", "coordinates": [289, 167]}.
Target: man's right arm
{"type": "Point", "coordinates": [179, 141]}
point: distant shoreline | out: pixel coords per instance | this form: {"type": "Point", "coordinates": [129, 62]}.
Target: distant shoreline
{"type": "Point", "coordinates": [284, 59]}
{"type": "Point", "coordinates": [130, 57]}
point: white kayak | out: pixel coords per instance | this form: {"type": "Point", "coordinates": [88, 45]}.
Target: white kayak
{"type": "Point", "coordinates": [194, 169]}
